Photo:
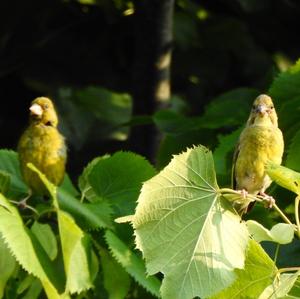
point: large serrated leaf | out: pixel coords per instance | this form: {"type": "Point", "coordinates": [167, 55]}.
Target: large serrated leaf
{"type": "Point", "coordinates": [187, 231]}
{"type": "Point", "coordinates": [75, 245]}
{"type": "Point", "coordinates": [131, 263]}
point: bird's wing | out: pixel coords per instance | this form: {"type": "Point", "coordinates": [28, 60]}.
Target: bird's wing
{"type": "Point", "coordinates": [235, 156]}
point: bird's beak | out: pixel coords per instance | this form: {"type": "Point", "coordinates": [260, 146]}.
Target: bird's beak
{"type": "Point", "coordinates": [36, 109]}
{"type": "Point", "coordinates": [262, 109]}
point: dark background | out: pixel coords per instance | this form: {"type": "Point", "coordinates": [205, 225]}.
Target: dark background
{"type": "Point", "coordinates": [51, 46]}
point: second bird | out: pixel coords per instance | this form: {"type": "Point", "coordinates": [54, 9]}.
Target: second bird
{"type": "Point", "coordinates": [42, 145]}
{"type": "Point", "coordinates": [260, 141]}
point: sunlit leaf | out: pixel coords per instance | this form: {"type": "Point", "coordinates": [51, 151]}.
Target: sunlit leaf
{"type": "Point", "coordinates": [7, 265]}
{"type": "Point", "coordinates": [281, 233]}
{"type": "Point", "coordinates": [284, 177]}
{"type": "Point", "coordinates": [281, 287]}
{"type": "Point", "coordinates": [187, 231]}
{"type": "Point", "coordinates": [75, 245]}
{"type": "Point", "coordinates": [23, 247]}
{"type": "Point", "coordinates": [251, 281]}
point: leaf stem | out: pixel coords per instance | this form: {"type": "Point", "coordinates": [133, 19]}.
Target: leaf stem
{"type": "Point", "coordinates": [287, 220]}
{"type": "Point", "coordinates": [297, 199]}
{"type": "Point", "coordinates": [276, 252]}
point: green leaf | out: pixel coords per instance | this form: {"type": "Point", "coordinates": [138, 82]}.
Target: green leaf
{"type": "Point", "coordinates": [250, 282]}
{"type": "Point", "coordinates": [46, 237]}
{"type": "Point", "coordinates": [34, 290]}
{"type": "Point", "coordinates": [131, 263]}
{"type": "Point", "coordinates": [75, 245]}
{"type": "Point", "coordinates": [111, 280]}
{"type": "Point", "coordinates": [281, 287]}
{"type": "Point", "coordinates": [88, 215]}
{"type": "Point", "coordinates": [4, 182]}
{"type": "Point", "coordinates": [286, 86]}
{"type": "Point", "coordinates": [83, 181]}
{"type": "Point", "coordinates": [9, 163]}
{"type": "Point", "coordinates": [111, 108]}
{"type": "Point", "coordinates": [22, 246]}
{"type": "Point", "coordinates": [223, 109]}
{"type": "Point", "coordinates": [225, 147]}
{"type": "Point", "coordinates": [293, 157]}
{"type": "Point", "coordinates": [284, 177]}
{"type": "Point", "coordinates": [281, 233]}
{"type": "Point", "coordinates": [187, 231]}
{"type": "Point", "coordinates": [170, 122]}
{"type": "Point", "coordinates": [7, 265]}
{"type": "Point", "coordinates": [118, 179]}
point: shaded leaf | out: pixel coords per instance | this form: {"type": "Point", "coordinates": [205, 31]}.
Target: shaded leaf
{"type": "Point", "coordinates": [118, 179]}
{"type": "Point", "coordinates": [131, 263]}
{"type": "Point", "coordinates": [111, 280]}
{"type": "Point", "coordinates": [293, 157]}
{"type": "Point", "coordinates": [222, 110]}
{"type": "Point", "coordinates": [286, 86]}
{"type": "Point", "coordinates": [9, 163]}
{"type": "Point", "coordinates": [46, 237]}
{"type": "Point", "coordinates": [88, 215]}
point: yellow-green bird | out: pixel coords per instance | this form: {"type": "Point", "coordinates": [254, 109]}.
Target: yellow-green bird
{"type": "Point", "coordinates": [260, 141]}
{"type": "Point", "coordinates": [42, 145]}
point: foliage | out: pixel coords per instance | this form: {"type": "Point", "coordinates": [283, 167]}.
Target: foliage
{"type": "Point", "coordinates": [184, 238]}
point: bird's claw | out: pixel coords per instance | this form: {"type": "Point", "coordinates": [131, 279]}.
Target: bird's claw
{"type": "Point", "coordinates": [244, 193]}
{"type": "Point", "coordinates": [270, 201]}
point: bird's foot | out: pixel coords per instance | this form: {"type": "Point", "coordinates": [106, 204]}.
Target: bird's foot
{"type": "Point", "coordinates": [270, 201]}
{"type": "Point", "coordinates": [244, 193]}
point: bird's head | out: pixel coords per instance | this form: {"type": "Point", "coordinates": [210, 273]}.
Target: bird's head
{"type": "Point", "coordinates": [42, 111]}
{"type": "Point", "coordinates": [263, 112]}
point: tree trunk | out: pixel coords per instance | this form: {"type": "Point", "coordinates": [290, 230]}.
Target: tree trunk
{"type": "Point", "coordinates": [151, 72]}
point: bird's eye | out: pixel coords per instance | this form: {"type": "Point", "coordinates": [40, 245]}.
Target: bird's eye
{"type": "Point", "coordinates": [253, 107]}
{"type": "Point", "coordinates": [46, 106]}
{"type": "Point", "coordinates": [272, 107]}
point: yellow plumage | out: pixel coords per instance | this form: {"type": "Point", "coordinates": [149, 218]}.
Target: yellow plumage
{"type": "Point", "coordinates": [42, 145]}
{"type": "Point", "coordinates": [260, 141]}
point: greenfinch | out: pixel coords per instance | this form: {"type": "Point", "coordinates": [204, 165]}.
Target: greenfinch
{"type": "Point", "coordinates": [260, 141]}
{"type": "Point", "coordinates": [42, 145]}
